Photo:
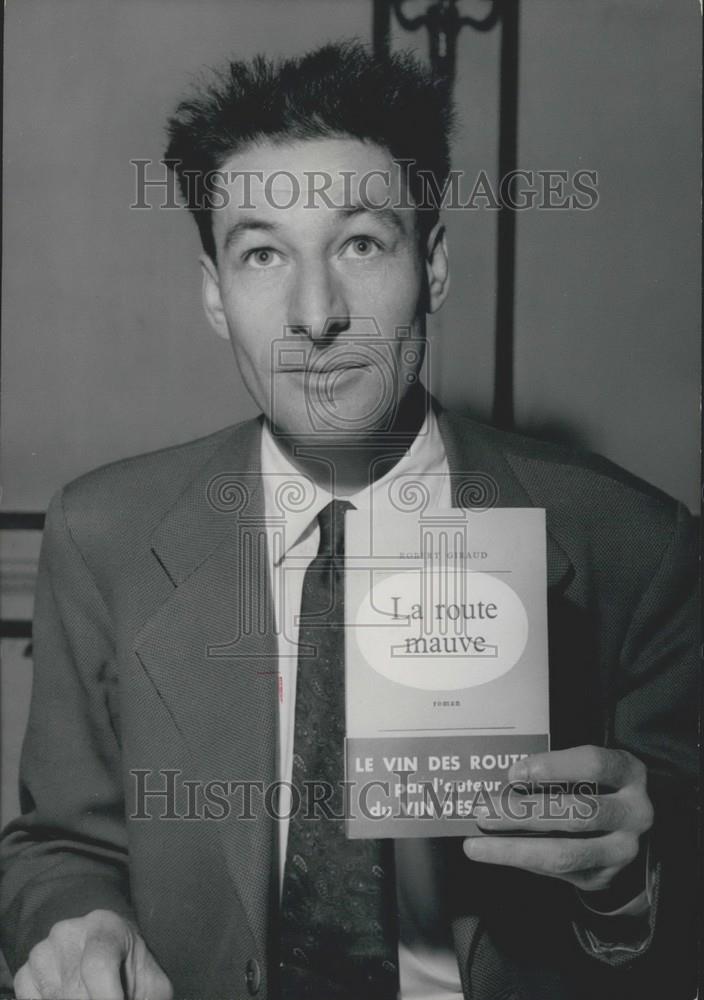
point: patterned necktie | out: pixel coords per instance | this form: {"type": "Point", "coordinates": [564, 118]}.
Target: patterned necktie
{"type": "Point", "coordinates": [338, 926]}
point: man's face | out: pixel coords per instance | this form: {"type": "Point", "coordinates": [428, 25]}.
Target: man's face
{"type": "Point", "coordinates": [313, 295]}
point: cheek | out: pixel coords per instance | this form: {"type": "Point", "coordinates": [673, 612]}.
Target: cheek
{"type": "Point", "coordinates": [250, 354]}
{"type": "Point", "coordinates": [253, 319]}
{"type": "Point", "coordinates": [252, 334]}
{"type": "Point", "coordinates": [397, 288]}
{"type": "Point", "coordinates": [394, 302]}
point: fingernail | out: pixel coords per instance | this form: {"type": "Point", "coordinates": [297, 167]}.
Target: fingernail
{"type": "Point", "coordinates": [473, 848]}
{"type": "Point", "coordinates": [518, 771]}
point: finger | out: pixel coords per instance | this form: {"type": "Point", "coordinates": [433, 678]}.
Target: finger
{"type": "Point", "coordinates": [154, 985]}
{"type": "Point", "coordinates": [594, 881]}
{"type": "Point", "coordinates": [45, 968]}
{"type": "Point", "coordinates": [100, 968]}
{"type": "Point", "coordinates": [557, 857]}
{"type": "Point", "coordinates": [558, 812]}
{"type": "Point", "coordinates": [25, 986]}
{"type": "Point", "coordinates": [638, 810]}
{"type": "Point", "coordinates": [150, 981]}
{"type": "Point", "coordinates": [610, 769]}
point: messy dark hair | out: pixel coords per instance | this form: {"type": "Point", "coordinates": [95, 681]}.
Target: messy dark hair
{"type": "Point", "coordinates": [339, 90]}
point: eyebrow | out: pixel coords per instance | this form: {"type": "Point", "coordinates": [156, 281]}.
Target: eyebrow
{"type": "Point", "coordinates": [387, 215]}
{"type": "Point", "coordinates": [245, 225]}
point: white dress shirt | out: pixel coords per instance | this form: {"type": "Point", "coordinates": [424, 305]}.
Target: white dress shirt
{"type": "Point", "coordinates": [427, 962]}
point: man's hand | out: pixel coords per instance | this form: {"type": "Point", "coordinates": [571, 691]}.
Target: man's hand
{"type": "Point", "coordinates": [97, 957]}
{"type": "Point", "coordinates": [585, 842]}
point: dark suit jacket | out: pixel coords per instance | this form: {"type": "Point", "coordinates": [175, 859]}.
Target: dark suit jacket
{"type": "Point", "coordinates": [154, 651]}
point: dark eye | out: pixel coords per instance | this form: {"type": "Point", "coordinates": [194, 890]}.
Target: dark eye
{"type": "Point", "coordinates": [262, 257]}
{"type": "Point", "coordinates": [361, 246]}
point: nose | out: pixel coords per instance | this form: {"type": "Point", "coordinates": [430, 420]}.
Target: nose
{"type": "Point", "coordinates": [317, 305]}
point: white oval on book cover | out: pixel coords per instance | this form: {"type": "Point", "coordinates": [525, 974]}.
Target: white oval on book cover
{"type": "Point", "coordinates": [441, 630]}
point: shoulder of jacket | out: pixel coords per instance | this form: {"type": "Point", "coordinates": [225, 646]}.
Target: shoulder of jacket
{"type": "Point", "coordinates": [535, 461]}
{"type": "Point", "coordinates": [134, 493]}
{"type": "Point", "coordinates": [586, 497]}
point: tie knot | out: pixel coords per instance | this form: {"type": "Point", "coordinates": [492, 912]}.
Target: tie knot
{"type": "Point", "coordinates": [331, 521]}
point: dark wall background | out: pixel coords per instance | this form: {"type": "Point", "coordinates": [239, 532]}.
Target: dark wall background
{"type": "Point", "coordinates": [106, 352]}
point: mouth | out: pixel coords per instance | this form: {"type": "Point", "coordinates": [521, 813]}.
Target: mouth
{"type": "Point", "coordinates": [327, 369]}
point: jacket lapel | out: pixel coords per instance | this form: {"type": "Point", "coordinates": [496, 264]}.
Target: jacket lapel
{"type": "Point", "coordinates": [211, 650]}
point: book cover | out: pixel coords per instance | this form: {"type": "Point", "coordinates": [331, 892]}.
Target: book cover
{"type": "Point", "coordinates": [446, 663]}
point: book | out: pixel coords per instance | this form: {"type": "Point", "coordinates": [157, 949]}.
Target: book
{"type": "Point", "coordinates": [446, 675]}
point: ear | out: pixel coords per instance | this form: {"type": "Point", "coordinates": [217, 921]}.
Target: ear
{"type": "Point", "coordinates": [212, 301]}
{"type": "Point", "coordinates": [437, 268]}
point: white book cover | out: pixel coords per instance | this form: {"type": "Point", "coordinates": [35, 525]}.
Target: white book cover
{"type": "Point", "coordinates": [446, 663]}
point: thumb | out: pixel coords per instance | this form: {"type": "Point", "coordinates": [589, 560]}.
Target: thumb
{"type": "Point", "coordinates": [150, 981]}
{"type": "Point", "coordinates": [100, 967]}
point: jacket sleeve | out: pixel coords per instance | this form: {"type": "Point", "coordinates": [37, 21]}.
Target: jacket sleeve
{"type": "Point", "coordinates": [654, 716]}
{"type": "Point", "coordinates": [67, 853]}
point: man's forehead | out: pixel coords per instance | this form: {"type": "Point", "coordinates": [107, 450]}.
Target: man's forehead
{"type": "Point", "coordinates": [342, 173]}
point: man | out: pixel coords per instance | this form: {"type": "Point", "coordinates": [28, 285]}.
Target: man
{"type": "Point", "coordinates": [165, 687]}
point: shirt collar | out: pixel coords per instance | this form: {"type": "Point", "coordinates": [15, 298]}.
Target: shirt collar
{"type": "Point", "coordinates": [425, 457]}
